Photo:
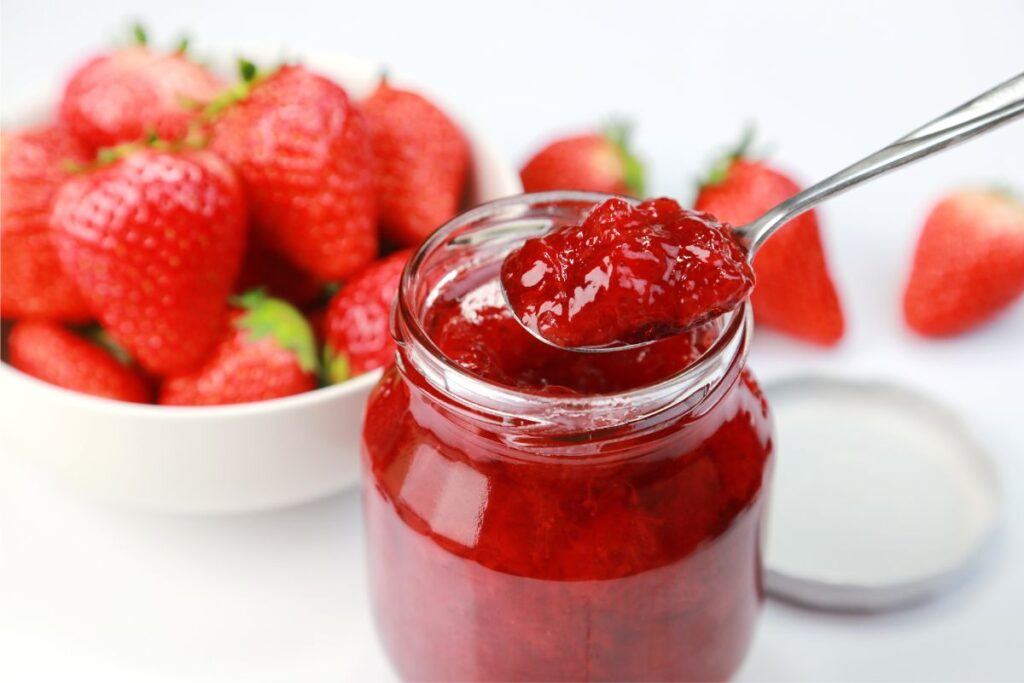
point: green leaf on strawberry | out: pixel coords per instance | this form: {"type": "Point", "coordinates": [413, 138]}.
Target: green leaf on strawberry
{"type": "Point", "coordinates": [337, 368]}
{"type": "Point", "coordinates": [249, 75]}
{"type": "Point", "coordinates": [247, 70]}
{"type": "Point", "coordinates": [269, 317]}
{"type": "Point", "coordinates": [719, 170]}
{"type": "Point", "coordinates": [139, 33]}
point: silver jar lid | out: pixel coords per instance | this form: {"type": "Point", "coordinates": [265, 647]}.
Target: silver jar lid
{"type": "Point", "coordinates": [881, 497]}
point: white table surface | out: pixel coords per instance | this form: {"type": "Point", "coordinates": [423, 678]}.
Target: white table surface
{"type": "Point", "coordinates": [94, 593]}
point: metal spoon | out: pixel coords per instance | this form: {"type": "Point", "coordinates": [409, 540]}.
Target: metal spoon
{"type": "Point", "coordinates": [999, 105]}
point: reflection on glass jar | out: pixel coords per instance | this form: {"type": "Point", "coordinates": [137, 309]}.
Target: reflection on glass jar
{"type": "Point", "coordinates": [535, 515]}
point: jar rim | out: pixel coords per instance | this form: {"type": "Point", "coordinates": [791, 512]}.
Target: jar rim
{"type": "Point", "coordinates": [504, 401]}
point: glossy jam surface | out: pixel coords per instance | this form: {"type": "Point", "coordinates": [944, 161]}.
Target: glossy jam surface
{"type": "Point", "coordinates": [625, 274]}
{"type": "Point", "coordinates": [478, 332]}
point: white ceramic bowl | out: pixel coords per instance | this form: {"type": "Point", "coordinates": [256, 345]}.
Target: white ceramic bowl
{"type": "Point", "coordinates": [221, 459]}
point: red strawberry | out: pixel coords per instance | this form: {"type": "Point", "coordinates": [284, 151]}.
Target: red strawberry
{"type": "Point", "coordinates": [264, 269]}
{"type": "Point", "coordinates": [32, 284]}
{"type": "Point", "coordinates": [53, 354]}
{"type": "Point", "coordinates": [597, 162]}
{"type": "Point", "coordinates": [267, 352]}
{"type": "Point", "coordinates": [422, 163]}
{"type": "Point", "coordinates": [793, 291]}
{"type": "Point", "coordinates": [154, 241]}
{"type": "Point", "coordinates": [123, 96]}
{"type": "Point", "coordinates": [358, 320]}
{"type": "Point", "coordinates": [303, 153]}
{"type": "Point", "coordinates": [969, 263]}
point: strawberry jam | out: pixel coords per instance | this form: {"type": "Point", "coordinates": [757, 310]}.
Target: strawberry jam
{"type": "Point", "coordinates": [626, 273]}
{"type": "Point", "coordinates": [480, 334]}
{"type": "Point", "coordinates": [534, 513]}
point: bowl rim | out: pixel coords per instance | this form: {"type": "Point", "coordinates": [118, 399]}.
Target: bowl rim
{"type": "Point", "coordinates": [356, 385]}
{"type": "Point", "coordinates": [329, 63]}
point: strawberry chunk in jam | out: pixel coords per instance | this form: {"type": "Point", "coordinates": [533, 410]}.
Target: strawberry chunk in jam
{"type": "Point", "coordinates": [626, 274]}
{"type": "Point", "coordinates": [479, 333]}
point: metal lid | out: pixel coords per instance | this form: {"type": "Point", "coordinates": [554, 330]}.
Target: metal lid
{"type": "Point", "coordinates": [880, 498]}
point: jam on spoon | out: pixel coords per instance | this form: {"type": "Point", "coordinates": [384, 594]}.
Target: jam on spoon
{"type": "Point", "coordinates": [477, 332]}
{"type": "Point", "coordinates": [626, 274]}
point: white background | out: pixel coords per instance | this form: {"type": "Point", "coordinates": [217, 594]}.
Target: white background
{"type": "Point", "coordinates": [91, 593]}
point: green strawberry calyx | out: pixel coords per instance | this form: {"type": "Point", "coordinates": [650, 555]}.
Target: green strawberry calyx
{"type": "Point", "coordinates": [336, 366]}
{"type": "Point", "coordinates": [106, 156]}
{"type": "Point", "coordinates": [719, 170]}
{"type": "Point", "coordinates": [269, 317]}
{"type": "Point", "coordinates": [101, 338]}
{"type": "Point", "coordinates": [140, 38]}
{"type": "Point", "coordinates": [139, 35]}
{"type": "Point", "coordinates": [618, 133]}
{"type": "Point", "coordinates": [249, 76]}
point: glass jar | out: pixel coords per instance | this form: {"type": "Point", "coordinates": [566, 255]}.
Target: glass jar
{"type": "Point", "coordinates": [518, 535]}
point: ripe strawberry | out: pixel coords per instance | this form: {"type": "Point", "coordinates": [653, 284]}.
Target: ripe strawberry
{"type": "Point", "coordinates": [969, 263]}
{"type": "Point", "coordinates": [358, 320]}
{"type": "Point", "coordinates": [268, 351]}
{"type": "Point", "coordinates": [422, 163]}
{"type": "Point", "coordinates": [154, 241]}
{"type": "Point", "coordinates": [125, 95]}
{"type": "Point", "coordinates": [53, 354]}
{"type": "Point", "coordinates": [303, 153]}
{"type": "Point", "coordinates": [32, 283]}
{"type": "Point", "coordinates": [598, 162]}
{"type": "Point", "coordinates": [793, 291]}
{"type": "Point", "coordinates": [264, 269]}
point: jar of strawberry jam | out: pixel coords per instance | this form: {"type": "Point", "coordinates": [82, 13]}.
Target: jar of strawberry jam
{"type": "Point", "coordinates": [539, 514]}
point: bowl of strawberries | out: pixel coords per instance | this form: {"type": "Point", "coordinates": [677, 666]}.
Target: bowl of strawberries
{"type": "Point", "coordinates": [196, 272]}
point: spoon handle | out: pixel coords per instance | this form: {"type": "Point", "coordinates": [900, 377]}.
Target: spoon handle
{"type": "Point", "coordinates": [999, 105]}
